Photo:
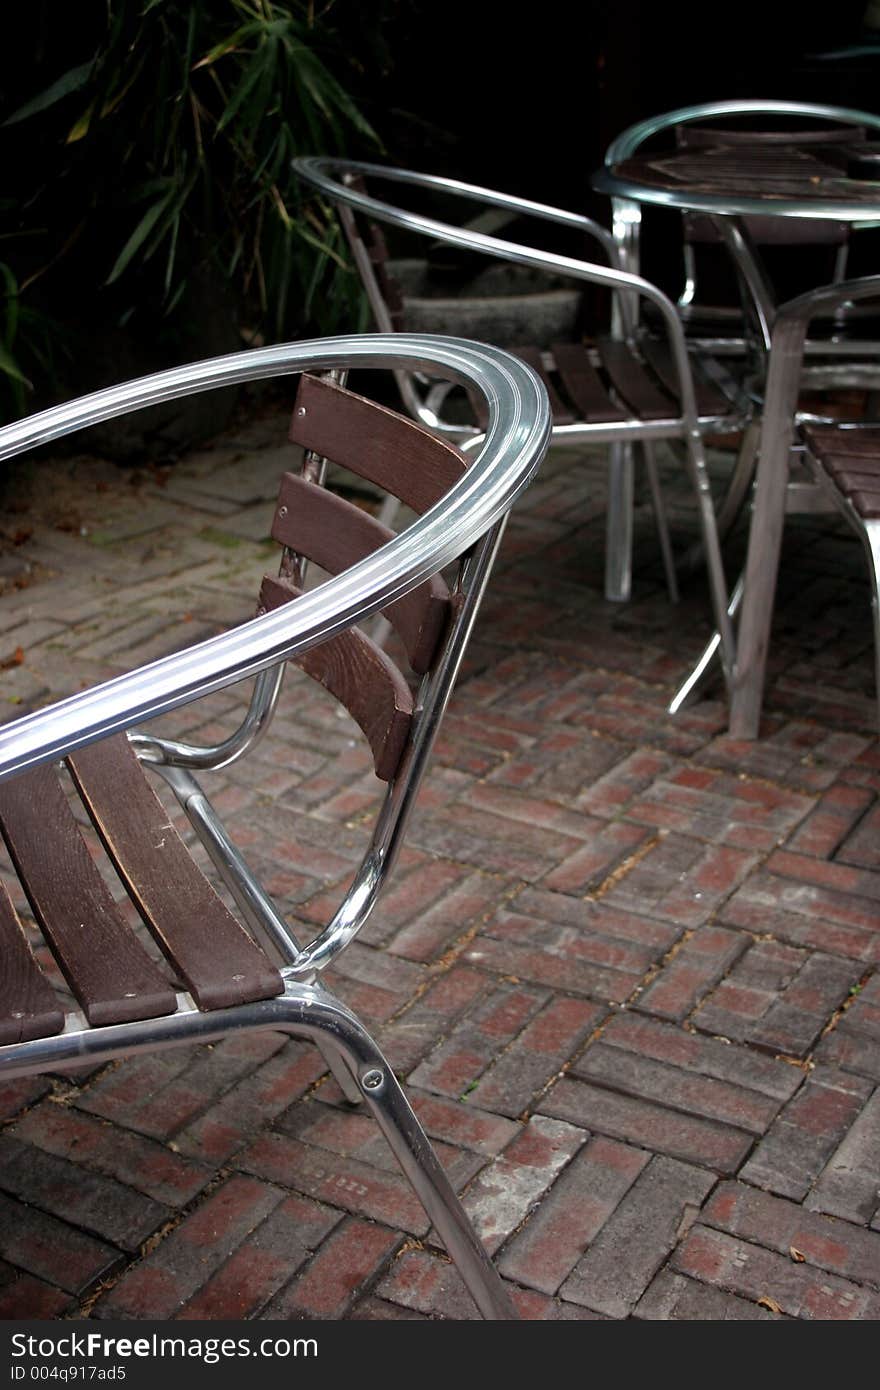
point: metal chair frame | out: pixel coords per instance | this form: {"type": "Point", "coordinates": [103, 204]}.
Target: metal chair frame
{"type": "Point", "coordinates": [337, 180]}
{"type": "Point", "coordinates": [465, 525]}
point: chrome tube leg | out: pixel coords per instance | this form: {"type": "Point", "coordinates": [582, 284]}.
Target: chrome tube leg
{"type": "Point", "coordinates": [714, 563]}
{"type": "Point", "coordinates": [412, 1149]}
{"type": "Point", "coordinates": [741, 479]}
{"type": "Point", "coordinates": [699, 677]}
{"type": "Point", "coordinates": [619, 523]}
{"type": "Point", "coordinates": [872, 545]}
{"type": "Point", "coordinates": [659, 505]}
{"type": "Point", "coordinates": [344, 1077]}
{"type": "Point", "coordinates": [734, 498]}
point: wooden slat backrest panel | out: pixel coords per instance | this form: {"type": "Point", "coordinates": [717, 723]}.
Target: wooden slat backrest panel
{"type": "Point", "coordinates": [213, 953]}
{"type": "Point", "coordinates": [533, 358]}
{"type": "Point", "coordinates": [689, 136]}
{"type": "Point", "coordinates": [28, 1007]}
{"type": "Point", "coordinates": [107, 968]}
{"type": "Point", "coordinates": [336, 534]}
{"type": "Point", "coordinates": [362, 678]}
{"type": "Point", "coordinates": [375, 443]}
{"type": "Point", "coordinates": [584, 385]}
{"type": "Point", "coordinates": [631, 380]}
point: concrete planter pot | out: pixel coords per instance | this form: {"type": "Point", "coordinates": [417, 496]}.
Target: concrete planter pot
{"type": "Point", "coordinates": [507, 305]}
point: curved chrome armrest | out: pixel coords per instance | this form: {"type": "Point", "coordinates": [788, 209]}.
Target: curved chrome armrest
{"type": "Point", "coordinates": [515, 441]}
{"type": "Point", "coordinates": [315, 171]}
{"type": "Point", "coordinates": [319, 172]}
{"type": "Point", "coordinates": [628, 141]}
{"type": "Point", "coordinates": [793, 319]}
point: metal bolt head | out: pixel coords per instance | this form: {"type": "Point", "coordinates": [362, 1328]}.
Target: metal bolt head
{"type": "Point", "coordinates": [372, 1079]}
{"type": "Point", "coordinates": [301, 411]}
{"type": "Point", "coordinates": [282, 511]}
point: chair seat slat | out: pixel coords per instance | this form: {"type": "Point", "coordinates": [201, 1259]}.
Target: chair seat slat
{"type": "Point", "coordinates": [830, 440]}
{"type": "Point", "coordinates": [533, 358]}
{"type": "Point", "coordinates": [584, 385]}
{"type": "Point", "coordinates": [28, 1007]}
{"type": "Point", "coordinates": [107, 968]}
{"type": "Point", "coordinates": [218, 960]}
{"type": "Point", "coordinates": [631, 380]}
{"type": "Point", "coordinates": [362, 678]}
{"type": "Point", "coordinates": [710, 400]}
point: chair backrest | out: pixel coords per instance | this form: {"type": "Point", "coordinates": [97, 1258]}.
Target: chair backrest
{"type": "Point", "coordinates": [313, 523]}
{"type": "Point", "coordinates": [759, 114]}
{"type": "Point", "coordinates": [460, 512]}
{"type": "Point", "coordinates": [344, 181]}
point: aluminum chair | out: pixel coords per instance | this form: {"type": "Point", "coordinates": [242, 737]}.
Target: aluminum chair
{"type": "Point", "coordinates": [222, 973]}
{"type": "Point", "coordinates": [707, 132]}
{"type": "Point", "coordinates": [626, 389]}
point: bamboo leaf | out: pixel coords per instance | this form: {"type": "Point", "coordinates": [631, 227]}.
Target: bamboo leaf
{"type": "Point", "coordinates": [10, 367]}
{"type": "Point", "coordinates": [138, 236]}
{"type": "Point", "coordinates": [72, 81]}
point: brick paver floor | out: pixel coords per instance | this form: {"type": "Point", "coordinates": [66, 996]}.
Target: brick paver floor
{"type": "Point", "coordinates": [626, 965]}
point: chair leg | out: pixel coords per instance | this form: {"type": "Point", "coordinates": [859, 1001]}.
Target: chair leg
{"type": "Point", "coordinates": [344, 1078]}
{"type": "Point", "coordinates": [410, 1146]}
{"type": "Point", "coordinates": [701, 674]}
{"type": "Point", "coordinates": [872, 545]}
{"type": "Point", "coordinates": [714, 562]}
{"type": "Point", "coordinates": [619, 523]}
{"type": "Point", "coordinates": [734, 498]}
{"type": "Point", "coordinates": [659, 506]}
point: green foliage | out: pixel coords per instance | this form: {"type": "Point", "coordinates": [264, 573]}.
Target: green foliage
{"type": "Point", "coordinates": [166, 150]}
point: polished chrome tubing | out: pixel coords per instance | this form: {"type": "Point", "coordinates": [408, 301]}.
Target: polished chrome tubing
{"type": "Point", "coordinates": [516, 439]}
{"type": "Point", "coordinates": [313, 169]}
{"type": "Point", "coordinates": [392, 820]}
{"type": "Point", "coordinates": [328, 176]}
{"type": "Point", "coordinates": [307, 1012]}
{"type": "Point", "coordinates": [151, 748]}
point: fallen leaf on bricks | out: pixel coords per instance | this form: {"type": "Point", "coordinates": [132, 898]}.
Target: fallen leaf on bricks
{"type": "Point", "coordinates": [767, 1302]}
{"type": "Point", "coordinates": [797, 1255]}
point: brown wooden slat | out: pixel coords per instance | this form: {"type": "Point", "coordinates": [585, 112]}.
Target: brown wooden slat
{"type": "Point", "coordinates": [561, 413]}
{"type": "Point", "coordinates": [362, 678]}
{"type": "Point", "coordinates": [28, 1007]}
{"type": "Point", "coordinates": [696, 136]}
{"type": "Point", "coordinates": [710, 400]}
{"type": "Point", "coordinates": [630, 378]}
{"type": "Point", "coordinates": [584, 385]}
{"type": "Point", "coordinates": [867, 504]}
{"type": "Point", "coordinates": [335, 534]}
{"type": "Point", "coordinates": [841, 443]}
{"type": "Point", "coordinates": [375, 443]}
{"type": "Point", "coordinates": [109, 971]}
{"type": "Point", "coordinates": [218, 960]}
{"type": "Point", "coordinates": [852, 478]}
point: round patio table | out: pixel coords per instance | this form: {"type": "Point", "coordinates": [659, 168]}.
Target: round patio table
{"type": "Point", "coordinates": [729, 184]}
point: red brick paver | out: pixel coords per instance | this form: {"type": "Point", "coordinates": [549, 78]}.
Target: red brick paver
{"type": "Point", "coordinates": [626, 966]}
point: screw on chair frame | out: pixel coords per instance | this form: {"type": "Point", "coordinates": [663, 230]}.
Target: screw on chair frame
{"type": "Point", "coordinates": [465, 525]}
{"type": "Point", "coordinates": [339, 180]}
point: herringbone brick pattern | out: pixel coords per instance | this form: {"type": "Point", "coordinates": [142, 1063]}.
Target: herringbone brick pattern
{"type": "Point", "coordinates": [626, 966]}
